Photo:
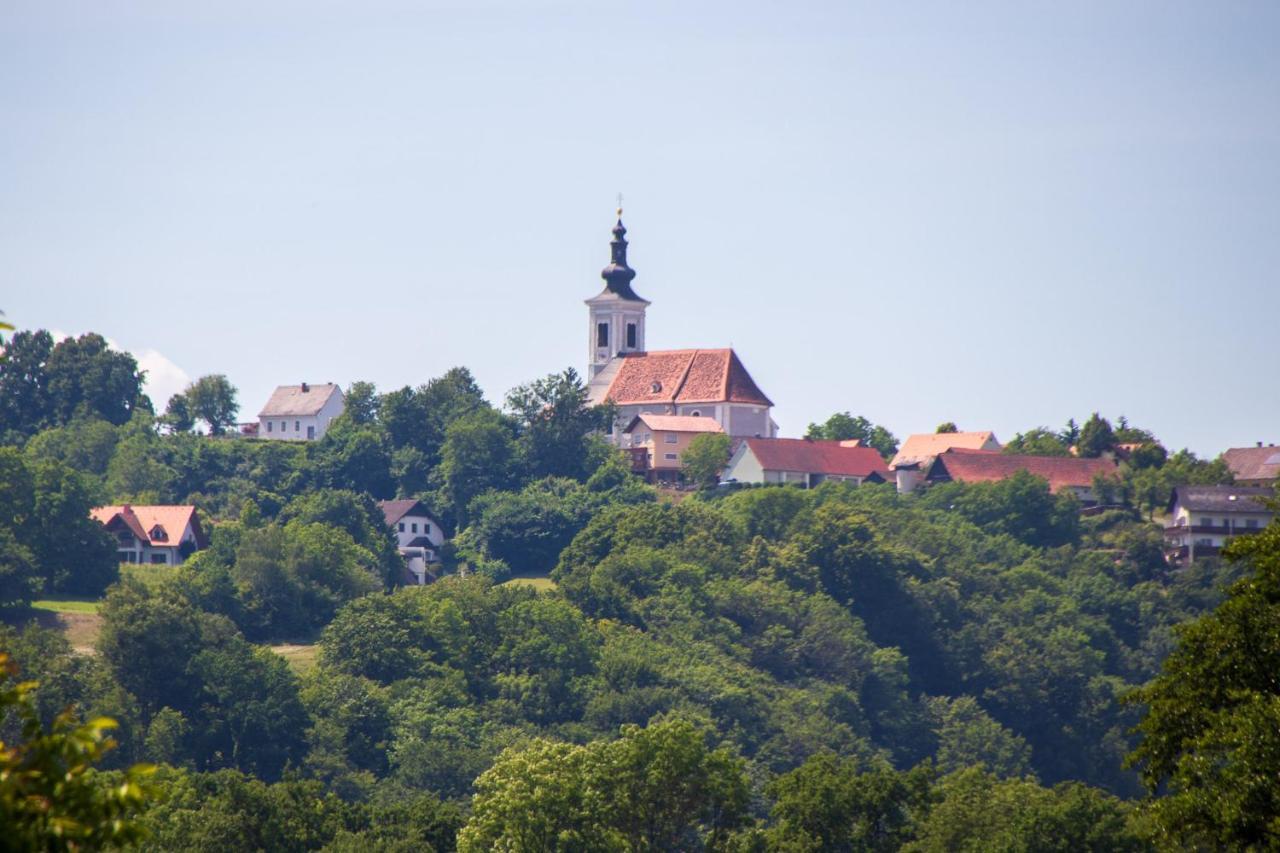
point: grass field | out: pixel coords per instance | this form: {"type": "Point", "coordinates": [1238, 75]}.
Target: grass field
{"type": "Point", "coordinates": [147, 574]}
{"type": "Point", "coordinates": [66, 605]}
{"type": "Point", "coordinates": [301, 659]}
{"type": "Point", "coordinates": [542, 584]}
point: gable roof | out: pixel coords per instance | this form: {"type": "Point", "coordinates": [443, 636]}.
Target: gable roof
{"type": "Point", "coordinates": [143, 521]}
{"type": "Point", "coordinates": [676, 423]}
{"type": "Point", "coordinates": [835, 458]}
{"type": "Point", "coordinates": [683, 376]}
{"type": "Point", "coordinates": [921, 446]}
{"type": "Point", "coordinates": [393, 511]}
{"type": "Point", "coordinates": [1221, 498]}
{"type": "Point", "coordinates": [1254, 463]}
{"type": "Point", "coordinates": [988, 466]}
{"type": "Point", "coordinates": [293, 401]}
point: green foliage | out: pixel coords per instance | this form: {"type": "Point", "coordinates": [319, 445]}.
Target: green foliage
{"type": "Point", "coordinates": [1020, 506]}
{"type": "Point", "coordinates": [704, 459]}
{"type": "Point", "coordinates": [946, 427]}
{"type": "Point", "coordinates": [1096, 437]}
{"type": "Point", "coordinates": [211, 399]}
{"type": "Point", "coordinates": [843, 426]}
{"type": "Point", "coordinates": [1040, 441]}
{"type": "Point", "coordinates": [555, 424]}
{"type": "Point", "coordinates": [1211, 731]}
{"type": "Point", "coordinates": [479, 454]}
{"type": "Point", "coordinates": [51, 796]}
{"type": "Point", "coordinates": [655, 788]}
{"type": "Point", "coordinates": [85, 378]}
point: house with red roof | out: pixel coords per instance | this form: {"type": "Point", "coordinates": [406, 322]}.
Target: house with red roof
{"type": "Point", "coordinates": [658, 443]}
{"type": "Point", "coordinates": [1069, 473]}
{"type": "Point", "coordinates": [418, 538]}
{"type": "Point", "coordinates": [163, 535]}
{"type": "Point", "coordinates": [711, 383]}
{"type": "Point", "coordinates": [1254, 466]}
{"type": "Point", "coordinates": [805, 462]}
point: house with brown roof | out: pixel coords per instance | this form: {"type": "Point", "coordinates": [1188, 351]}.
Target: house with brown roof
{"type": "Point", "coordinates": [916, 454]}
{"type": "Point", "coordinates": [418, 538]}
{"type": "Point", "coordinates": [805, 462]}
{"type": "Point", "coordinates": [709, 383]}
{"type": "Point", "coordinates": [300, 412]}
{"type": "Point", "coordinates": [162, 535]}
{"type": "Point", "coordinates": [1254, 466]}
{"type": "Point", "coordinates": [1064, 473]}
{"type": "Point", "coordinates": [658, 443]}
{"type": "Point", "coordinates": [1202, 519]}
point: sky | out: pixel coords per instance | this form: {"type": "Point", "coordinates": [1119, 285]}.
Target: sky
{"type": "Point", "coordinates": [998, 214]}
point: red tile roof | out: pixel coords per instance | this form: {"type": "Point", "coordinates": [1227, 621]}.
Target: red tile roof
{"type": "Point", "coordinates": [986, 466]}
{"type": "Point", "coordinates": [920, 447]}
{"type": "Point", "coordinates": [142, 521]}
{"type": "Point", "coordinates": [684, 376]}
{"type": "Point", "coordinates": [831, 458]}
{"type": "Point", "coordinates": [1254, 463]}
{"type": "Point", "coordinates": [393, 511]}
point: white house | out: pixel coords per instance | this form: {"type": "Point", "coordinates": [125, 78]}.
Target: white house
{"type": "Point", "coordinates": [418, 537]}
{"type": "Point", "coordinates": [300, 412]}
{"type": "Point", "coordinates": [805, 462]}
{"type": "Point", "coordinates": [1204, 518]}
{"type": "Point", "coordinates": [164, 535]}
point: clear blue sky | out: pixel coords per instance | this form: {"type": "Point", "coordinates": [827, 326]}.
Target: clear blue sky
{"type": "Point", "coordinates": [998, 214]}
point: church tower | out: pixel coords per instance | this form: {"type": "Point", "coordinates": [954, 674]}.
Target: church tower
{"type": "Point", "coordinates": [616, 313]}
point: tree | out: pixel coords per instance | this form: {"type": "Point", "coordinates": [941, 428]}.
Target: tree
{"type": "Point", "coordinates": [1040, 441]}
{"type": "Point", "coordinates": [353, 457]}
{"type": "Point", "coordinates": [360, 403]}
{"type": "Point", "coordinates": [843, 426]}
{"type": "Point", "coordinates": [1211, 731]}
{"type": "Point", "coordinates": [946, 427]}
{"type": "Point", "coordinates": [24, 385]}
{"type": "Point", "coordinates": [75, 553]}
{"type": "Point", "coordinates": [705, 458]}
{"type": "Point", "coordinates": [1096, 437]}
{"type": "Point", "coordinates": [86, 377]}
{"type": "Point", "coordinates": [478, 455]}
{"type": "Point", "coordinates": [177, 414]}
{"type": "Point", "coordinates": [555, 420]}
{"type": "Point", "coordinates": [212, 399]}
{"type": "Point", "coordinates": [51, 798]}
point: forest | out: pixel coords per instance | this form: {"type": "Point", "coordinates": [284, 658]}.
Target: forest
{"type": "Point", "coordinates": [971, 667]}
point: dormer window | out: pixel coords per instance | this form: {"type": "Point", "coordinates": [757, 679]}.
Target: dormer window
{"type": "Point", "coordinates": [158, 534]}
{"type": "Point", "coordinates": [656, 388]}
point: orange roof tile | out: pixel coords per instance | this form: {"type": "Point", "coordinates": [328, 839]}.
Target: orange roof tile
{"type": "Point", "coordinates": [922, 446]}
{"type": "Point", "coordinates": [684, 376]}
{"type": "Point", "coordinates": [143, 522]}
{"type": "Point", "coordinates": [817, 457]}
{"type": "Point", "coordinates": [676, 423]}
{"type": "Point", "coordinates": [1254, 463]}
{"type": "Point", "coordinates": [985, 466]}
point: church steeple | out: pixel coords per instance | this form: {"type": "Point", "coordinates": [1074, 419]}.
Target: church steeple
{"type": "Point", "coordinates": [617, 275]}
{"type": "Point", "coordinates": [616, 314]}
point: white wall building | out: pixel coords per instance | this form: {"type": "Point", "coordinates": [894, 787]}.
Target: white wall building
{"type": "Point", "coordinates": [300, 412]}
{"type": "Point", "coordinates": [418, 537]}
{"type": "Point", "coordinates": [161, 535]}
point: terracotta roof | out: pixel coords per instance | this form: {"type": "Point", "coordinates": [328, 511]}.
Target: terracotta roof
{"type": "Point", "coordinates": [1254, 463]}
{"type": "Point", "coordinates": [684, 376]}
{"type": "Point", "coordinates": [393, 511]}
{"type": "Point", "coordinates": [986, 466]}
{"type": "Point", "coordinates": [293, 401]}
{"type": "Point", "coordinates": [676, 423]}
{"type": "Point", "coordinates": [817, 457]}
{"type": "Point", "coordinates": [167, 523]}
{"type": "Point", "coordinates": [1221, 498]}
{"type": "Point", "coordinates": [922, 446]}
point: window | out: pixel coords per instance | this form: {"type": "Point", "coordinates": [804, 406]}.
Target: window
{"type": "Point", "coordinates": [402, 527]}
{"type": "Point", "coordinates": [602, 334]}
{"type": "Point", "coordinates": [311, 432]}
{"type": "Point", "coordinates": [648, 437]}
{"type": "Point", "coordinates": [695, 413]}
{"type": "Point", "coordinates": [1251, 523]}
{"type": "Point", "coordinates": [672, 456]}
{"type": "Point", "coordinates": [413, 528]}
{"type": "Point", "coordinates": [270, 424]}
{"type": "Point", "coordinates": [1207, 522]}
{"type": "Point", "coordinates": [631, 336]}
{"type": "Point", "coordinates": [283, 426]}
{"type": "Point", "coordinates": [671, 438]}
{"type": "Point", "coordinates": [159, 559]}
{"type": "Point", "coordinates": [297, 427]}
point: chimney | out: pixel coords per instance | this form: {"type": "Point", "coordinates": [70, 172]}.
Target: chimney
{"type": "Point", "coordinates": [1259, 443]}
{"type": "Point", "coordinates": [305, 387]}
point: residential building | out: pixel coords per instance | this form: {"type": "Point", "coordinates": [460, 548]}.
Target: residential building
{"type": "Point", "coordinates": [805, 462]}
{"type": "Point", "coordinates": [916, 454]}
{"type": "Point", "coordinates": [1064, 473]}
{"type": "Point", "coordinates": [1254, 466]}
{"type": "Point", "coordinates": [658, 443]}
{"type": "Point", "coordinates": [418, 538]}
{"type": "Point", "coordinates": [162, 535]}
{"type": "Point", "coordinates": [1204, 518]}
{"type": "Point", "coordinates": [300, 412]}
{"type": "Point", "coordinates": [689, 382]}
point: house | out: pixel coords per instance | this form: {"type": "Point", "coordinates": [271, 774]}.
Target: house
{"type": "Point", "coordinates": [1064, 473]}
{"type": "Point", "coordinates": [1203, 518]}
{"type": "Point", "coordinates": [658, 443]}
{"type": "Point", "coordinates": [418, 538]}
{"type": "Point", "coordinates": [1254, 466]}
{"type": "Point", "coordinates": [916, 454]}
{"type": "Point", "coordinates": [709, 383]}
{"type": "Point", "coordinates": [300, 412]}
{"type": "Point", "coordinates": [163, 535]}
{"type": "Point", "coordinates": [805, 462]}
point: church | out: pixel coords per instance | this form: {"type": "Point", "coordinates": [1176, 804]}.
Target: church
{"type": "Point", "coordinates": [710, 383]}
